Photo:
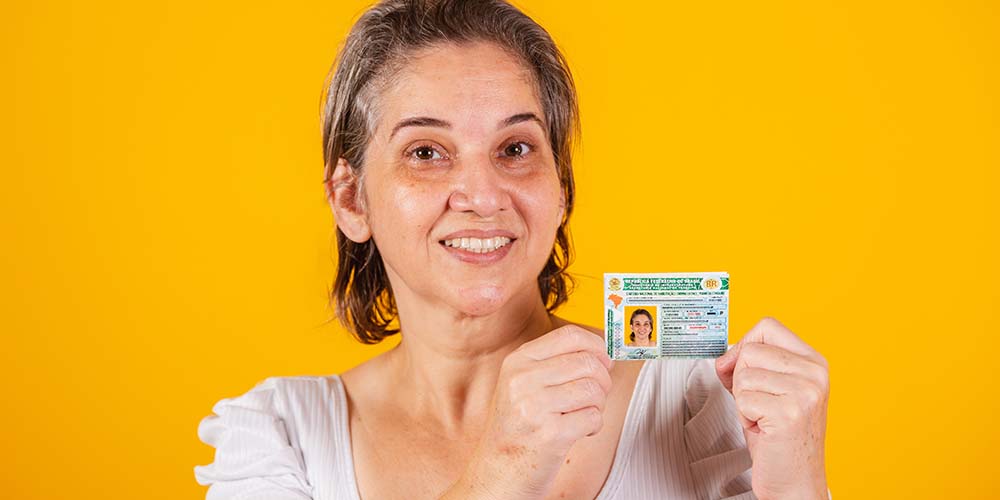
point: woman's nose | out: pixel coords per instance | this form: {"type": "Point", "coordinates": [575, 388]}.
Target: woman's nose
{"type": "Point", "coordinates": [478, 187]}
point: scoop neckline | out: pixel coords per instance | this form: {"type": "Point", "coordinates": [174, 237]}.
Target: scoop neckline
{"type": "Point", "coordinates": [622, 451]}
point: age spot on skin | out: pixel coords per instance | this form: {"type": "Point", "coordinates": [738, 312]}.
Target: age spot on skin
{"type": "Point", "coordinates": [512, 450]}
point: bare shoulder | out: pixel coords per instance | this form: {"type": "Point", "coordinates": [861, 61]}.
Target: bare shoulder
{"type": "Point", "coordinates": [366, 377]}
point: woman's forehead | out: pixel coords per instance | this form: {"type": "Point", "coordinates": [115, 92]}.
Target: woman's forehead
{"type": "Point", "coordinates": [472, 87]}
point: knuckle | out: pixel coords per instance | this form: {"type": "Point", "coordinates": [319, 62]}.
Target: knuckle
{"type": "Point", "coordinates": [819, 374]}
{"type": "Point", "coordinates": [517, 384]}
{"type": "Point", "coordinates": [526, 409]}
{"type": "Point", "coordinates": [738, 388]}
{"type": "Point", "coordinates": [751, 350]}
{"type": "Point", "coordinates": [769, 322]}
{"type": "Point", "coordinates": [605, 377]}
{"type": "Point", "coordinates": [517, 412]}
{"type": "Point", "coordinates": [579, 335]}
{"type": "Point", "coordinates": [512, 360]}
{"type": "Point", "coordinates": [794, 413]}
{"type": "Point", "coordinates": [746, 377]}
{"type": "Point", "coordinates": [565, 331]}
{"type": "Point", "coordinates": [521, 349]}
{"type": "Point", "coordinates": [823, 361]}
{"type": "Point", "coordinates": [590, 364]}
{"type": "Point", "coordinates": [589, 390]}
{"type": "Point", "coordinates": [594, 419]}
{"type": "Point", "coordinates": [566, 363]}
{"type": "Point", "coordinates": [739, 380]}
{"type": "Point", "coordinates": [822, 391]}
{"type": "Point", "coordinates": [811, 396]}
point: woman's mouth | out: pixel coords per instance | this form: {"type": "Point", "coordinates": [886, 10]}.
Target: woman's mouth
{"type": "Point", "coordinates": [478, 245]}
{"type": "Point", "coordinates": [478, 250]}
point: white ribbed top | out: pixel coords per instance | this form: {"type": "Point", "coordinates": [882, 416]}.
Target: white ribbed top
{"type": "Point", "coordinates": [288, 438]}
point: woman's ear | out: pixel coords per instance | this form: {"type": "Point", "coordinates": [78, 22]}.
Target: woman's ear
{"type": "Point", "coordinates": [344, 195]}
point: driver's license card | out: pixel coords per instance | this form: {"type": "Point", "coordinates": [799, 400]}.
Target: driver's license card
{"type": "Point", "coordinates": [652, 315]}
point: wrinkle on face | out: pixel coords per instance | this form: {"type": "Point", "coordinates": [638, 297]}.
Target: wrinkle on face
{"type": "Point", "coordinates": [473, 87]}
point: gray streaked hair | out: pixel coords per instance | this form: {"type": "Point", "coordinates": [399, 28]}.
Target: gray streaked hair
{"type": "Point", "coordinates": [375, 50]}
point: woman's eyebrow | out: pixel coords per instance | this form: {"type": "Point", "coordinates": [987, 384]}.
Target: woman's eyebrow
{"type": "Point", "coordinates": [427, 121]}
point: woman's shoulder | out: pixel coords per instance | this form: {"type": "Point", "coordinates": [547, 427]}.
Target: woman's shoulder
{"type": "Point", "coordinates": [262, 436]}
{"type": "Point", "coordinates": [285, 396]}
{"type": "Point", "coordinates": [283, 405]}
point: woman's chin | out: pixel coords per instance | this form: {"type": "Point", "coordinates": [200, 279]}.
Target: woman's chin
{"type": "Point", "coordinates": [481, 301]}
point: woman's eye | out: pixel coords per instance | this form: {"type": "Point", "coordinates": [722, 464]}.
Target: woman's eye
{"type": "Point", "coordinates": [425, 153]}
{"type": "Point", "coordinates": [519, 148]}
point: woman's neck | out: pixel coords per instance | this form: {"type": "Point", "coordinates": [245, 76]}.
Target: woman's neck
{"type": "Point", "coordinates": [446, 365]}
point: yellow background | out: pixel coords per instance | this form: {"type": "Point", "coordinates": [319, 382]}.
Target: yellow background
{"type": "Point", "coordinates": [166, 243]}
{"type": "Point", "coordinates": [628, 326]}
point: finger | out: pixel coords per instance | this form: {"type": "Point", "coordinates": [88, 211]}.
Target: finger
{"type": "Point", "coordinates": [565, 339]}
{"type": "Point", "coordinates": [724, 368]}
{"type": "Point", "coordinates": [564, 368]}
{"type": "Point", "coordinates": [771, 382]}
{"type": "Point", "coordinates": [770, 412]}
{"type": "Point", "coordinates": [767, 331]}
{"type": "Point", "coordinates": [583, 422]}
{"type": "Point", "coordinates": [574, 395]}
{"type": "Point", "coordinates": [776, 359]}
{"type": "Point", "coordinates": [756, 407]}
{"type": "Point", "coordinates": [770, 331]}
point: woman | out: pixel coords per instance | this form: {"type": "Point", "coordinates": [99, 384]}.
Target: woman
{"type": "Point", "coordinates": [641, 322]}
{"type": "Point", "coordinates": [447, 134]}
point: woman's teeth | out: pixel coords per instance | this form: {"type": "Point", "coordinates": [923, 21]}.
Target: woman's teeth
{"type": "Point", "coordinates": [478, 245]}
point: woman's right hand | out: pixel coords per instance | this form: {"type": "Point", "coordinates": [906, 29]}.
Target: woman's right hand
{"type": "Point", "coordinates": [550, 393]}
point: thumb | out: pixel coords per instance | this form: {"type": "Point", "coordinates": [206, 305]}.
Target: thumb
{"type": "Point", "coordinates": [725, 365]}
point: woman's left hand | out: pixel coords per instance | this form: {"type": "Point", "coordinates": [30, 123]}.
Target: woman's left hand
{"type": "Point", "coordinates": [781, 386]}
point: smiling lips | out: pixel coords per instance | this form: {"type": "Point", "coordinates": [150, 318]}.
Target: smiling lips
{"type": "Point", "coordinates": [478, 245]}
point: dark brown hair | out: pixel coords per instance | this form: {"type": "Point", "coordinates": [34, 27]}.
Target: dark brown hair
{"type": "Point", "coordinates": [374, 51]}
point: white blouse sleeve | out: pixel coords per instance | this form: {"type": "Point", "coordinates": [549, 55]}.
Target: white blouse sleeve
{"type": "Point", "coordinates": [719, 459]}
{"type": "Point", "coordinates": [254, 458]}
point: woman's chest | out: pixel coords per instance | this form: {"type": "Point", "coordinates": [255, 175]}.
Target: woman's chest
{"type": "Point", "coordinates": [405, 459]}
{"type": "Point", "coordinates": [412, 464]}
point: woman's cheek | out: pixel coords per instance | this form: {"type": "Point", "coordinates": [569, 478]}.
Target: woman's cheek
{"type": "Point", "coordinates": [398, 212]}
{"type": "Point", "coordinates": [542, 195]}
{"type": "Point", "coordinates": [415, 195]}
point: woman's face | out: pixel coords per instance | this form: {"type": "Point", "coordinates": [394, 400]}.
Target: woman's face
{"type": "Point", "coordinates": [461, 185]}
{"type": "Point", "coordinates": [641, 326]}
